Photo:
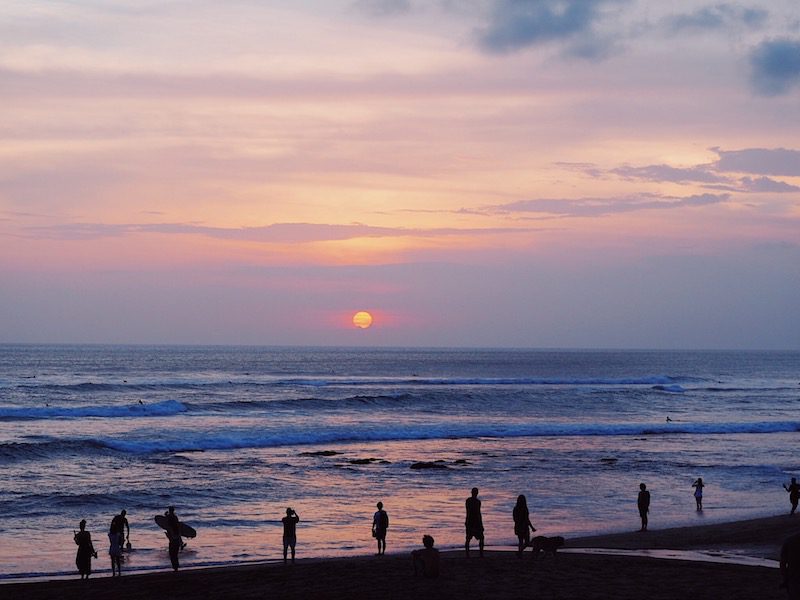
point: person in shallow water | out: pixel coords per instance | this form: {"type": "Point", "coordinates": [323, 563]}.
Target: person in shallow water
{"type": "Point", "coordinates": [474, 522]}
{"type": "Point", "coordinates": [173, 533]}
{"type": "Point", "coordinates": [380, 523]}
{"type": "Point", "coordinates": [794, 493]}
{"type": "Point", "coordinates": [83, 559]}
{"type": "Point", "coordinates": [698, 486]}
{"type": "Point", "coordinates": [522, 524]}
{"type": "Point", "coordinates": [426, 560]}
{"type": "Point", "coordinates": [643, 502]}
{"type": "Point", "coordinates": [290, 522]}
{"type": "Point", "coordinates": [119, 524]}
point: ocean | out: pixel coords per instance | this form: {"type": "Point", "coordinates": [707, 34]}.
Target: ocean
{"type": "Point", "coordinates": [232, 436]}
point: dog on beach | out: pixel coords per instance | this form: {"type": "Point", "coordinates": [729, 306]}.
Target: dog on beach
{"type": "Point", "coordinates": [546, 545]}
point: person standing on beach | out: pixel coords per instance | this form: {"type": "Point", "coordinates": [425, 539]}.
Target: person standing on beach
{"type": "Point", "coordinates": [115, 552]}
{"type": "Point", "coordinates": [790, 566]}
{"type": "Point", "coordinates": [698, 486]}
{"type": "Point", "coordinates": [290, 522]}
{"type": "Point", "coordinates": [380, 523]}
{"type": "Point", "coordinates": [119, 524]}
{"type": "Point", "coordinates": [522, 524]}
{"type": "Point", "coordinates": [173, 533]}
{"type": "Point", "coordinates": [643, 502]}
{"type": "Point", "coordinates": [794, 493]}
{"type": "Point", "coordinates": [427, 559]}
{"type": "Point", "coordinates": [83, 559]}
{"type": "Point", "coordinates": [474, 522]}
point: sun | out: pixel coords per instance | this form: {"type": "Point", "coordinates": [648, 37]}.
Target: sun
{"type": "Point", "coordinates": [362, 319]}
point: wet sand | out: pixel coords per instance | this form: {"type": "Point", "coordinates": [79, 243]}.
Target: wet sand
{"type": "Point", "coordinates": [498, 575]}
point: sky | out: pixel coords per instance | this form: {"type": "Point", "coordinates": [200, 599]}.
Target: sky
{"type": "Point", "coordinates": [494, 173]}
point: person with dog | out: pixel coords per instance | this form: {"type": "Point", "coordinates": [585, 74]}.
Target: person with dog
{"type": "Point", "coordinates": [522, 524]}
{"type": "Point", "coordinates": [474, 522]}
{"type": "Point", "coordinates": [426, 560]}
{"type": "Point", "coordinates": [380, 523]}
{"type": "Point", "coordinates": [643, 502]}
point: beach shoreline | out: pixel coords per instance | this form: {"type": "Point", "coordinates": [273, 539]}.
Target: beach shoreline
{"type": "Point", "coordinates": [499, 574]}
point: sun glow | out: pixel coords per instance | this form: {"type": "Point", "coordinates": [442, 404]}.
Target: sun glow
{"type": "Point", "coordinates": [362, 319]}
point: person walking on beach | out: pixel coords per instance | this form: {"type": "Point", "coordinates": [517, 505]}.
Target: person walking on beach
{"type": "Point", "coordinates": [173, 533]}
{"type": "Point", "coordinates": [794, 493]}
{"type": "Point", "coordinates": [790, 566]}
{"type": "Point", "coordinates": [643, 502]}
{"type": "Point", "coordinates": [119, 524]}
{"type": "Point", "coordinates": [474, 522]}
{"type": "Point", "coordinates": [83, 559]}
{"type": "Point", "coordinates": [426, 560]}
{"type": "Point", "coordinates": [698, 486]}
{"type": "Point", "coordinates": [380, 523]}
{"type": "Point", "coordinates": [522, 524]}
{"type": "Point", "coordinates": [290, 522]}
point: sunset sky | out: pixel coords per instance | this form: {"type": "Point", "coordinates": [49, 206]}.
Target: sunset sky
{"type": "Point", "coordinates": [540, 173]}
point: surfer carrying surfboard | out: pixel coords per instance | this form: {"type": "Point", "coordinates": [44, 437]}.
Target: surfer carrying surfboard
{"type": "Point", "coordinates": [173, 531]}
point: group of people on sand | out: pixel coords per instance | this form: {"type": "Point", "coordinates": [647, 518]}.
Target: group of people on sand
{"type": "Point", "coordinates": [117, 538]}
{"type": "Point", "coordinates": [643, 501]}
{"type": "Point", "coordinates": [425, 560]}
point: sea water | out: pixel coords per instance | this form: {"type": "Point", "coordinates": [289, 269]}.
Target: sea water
{"type": "Point", "coordinates": [232, 436]}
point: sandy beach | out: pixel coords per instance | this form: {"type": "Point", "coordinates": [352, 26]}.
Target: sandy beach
{"type": "Point", "coordinates": [500, 574]}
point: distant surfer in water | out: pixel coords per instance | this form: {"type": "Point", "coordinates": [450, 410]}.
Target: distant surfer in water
{"type": "Point", "coordinates": [643, 502]}
{"type": "Point", "coordinates": [290, 522]}
{"type": "Point", "coordinates": [794, 493]}
{"type": "Point", "coordinates": [83, 559]}
{"type": "Point", "coordinates": [474, 521]}
{"type": "Point", "coordinates": [173, 532]}
{"type": "Point", "coordinates": [380, 523]}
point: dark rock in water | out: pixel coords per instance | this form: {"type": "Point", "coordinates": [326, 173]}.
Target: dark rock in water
{"type": "Point", "coordinates": [430, 465]}
{"type": "Point", "coordinates": [362, 461]}
{"type": "Point", "coordinates": [320, 453]}
{"type": "Point", "coordinates": [461, 461]}
{"type": "Point", "coordinates": [609, 461]}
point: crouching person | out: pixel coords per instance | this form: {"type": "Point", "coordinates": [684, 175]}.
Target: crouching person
{"type": "Point", "coordinates": [426, 560]}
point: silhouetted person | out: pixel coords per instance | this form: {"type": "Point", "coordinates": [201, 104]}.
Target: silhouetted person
{"type": "Point", "coordinates": [380, 523]}
{"type": "Point", "coordinates": [115, 552]}
{"type": "Point", "coordinates": [698, 486]}
{"type": "Point", "coordinates": [643, 502]}
{"type": "Point", "coordinates": [290, 522]}
{"type": "Point", "coordinates": [173, 533]}
{"type": "Point", "coordinates": [790, 566]}
{"type": "Point", "coordinates": [474, 521]}
{"type": "Point", "coordinates": [119, 524]}
{"type": "Point", "coordinates": [794, 493]}
{"type": "Point", "coordinates": [83, 559]}
{"type": "Point", "coordinates": [426, 560]}
{"type": "Point", "coordinates": [522, 524]}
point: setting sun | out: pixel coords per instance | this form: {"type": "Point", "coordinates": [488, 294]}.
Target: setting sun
{"type": "Point", "coordinates": [362, 319]}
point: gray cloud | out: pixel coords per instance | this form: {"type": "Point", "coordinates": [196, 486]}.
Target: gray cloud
{"type": "Point", "coordinates": [697, 174]}
{"type": "Point", "coordinates": [596, 207]}
{"type": "Point", "coordinates": [517, 24]}
{"type": "Point", "coordinates": [286, 233]}
{"type": "Point", "coordinates": [715, 17]}
{"type": "Point", "coordinates": [382, 8]}
{"type": "Point", "coordinates": [766, 184]}
{"type": "Point", "coordinates": [775, 66]}
{"type": "Point", "coordinates": [759, 161]}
